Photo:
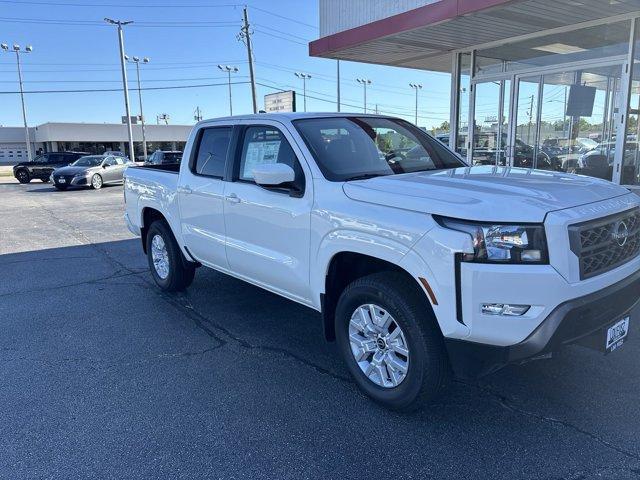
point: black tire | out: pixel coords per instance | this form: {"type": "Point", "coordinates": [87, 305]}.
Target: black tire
{"type": "Point", "coordinates": [23, 175]}
{"type": "Point", "coordinates": [60, 187]}
{"type": "Point", "coordinates": [96, 181]}
{"type": "Point", "coordinates": [181, 271]}
{"type": "Point", "coordinates": [428, 368]}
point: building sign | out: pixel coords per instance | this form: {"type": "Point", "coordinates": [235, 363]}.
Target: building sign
{"type": "Point", "coordinates": [280, 102]}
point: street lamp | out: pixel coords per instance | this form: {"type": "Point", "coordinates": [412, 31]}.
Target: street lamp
{"type": "Point", "coordinates": [137, 61]}
{"type": "Point", "coordinates": [229, 69]}
{"type": "Point", "coordinates": [304, 77]}
{"type": "Point", "coordinates": [125, 87]}
{"type": "Point", "coordinates": [416, 87]}
{"type": "Point", "coordinates": [364, 82]}
{"type": "Point", "coordinates": [28, 49]}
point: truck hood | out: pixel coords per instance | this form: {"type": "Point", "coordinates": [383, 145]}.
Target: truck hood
{"type": "Point", "coordinates": [484, 193]}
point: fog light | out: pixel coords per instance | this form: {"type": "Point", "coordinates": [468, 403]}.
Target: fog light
{"type": "Point", "coordinates": [504, 309]}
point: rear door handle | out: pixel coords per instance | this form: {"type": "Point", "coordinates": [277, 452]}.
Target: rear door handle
{"type": "Point", "coordinates": [185, 189]}
{"type": "Point", "coordinates": [232, 198]}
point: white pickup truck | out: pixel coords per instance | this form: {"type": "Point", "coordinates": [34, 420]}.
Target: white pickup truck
{"type": "Point", "coordinates": [420, 265]}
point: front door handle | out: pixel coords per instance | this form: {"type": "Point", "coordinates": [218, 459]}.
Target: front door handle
{"type": "Point", "coordinates": [232, 198]}
{"type": "Point", "coordinates": [186, 189]}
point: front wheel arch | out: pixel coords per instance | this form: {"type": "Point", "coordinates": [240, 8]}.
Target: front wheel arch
{"type": "Point", "coordinates": [346, 267]}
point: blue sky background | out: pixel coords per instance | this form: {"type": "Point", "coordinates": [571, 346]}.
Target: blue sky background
{"type": "Point", "coordinates": [75, 50]}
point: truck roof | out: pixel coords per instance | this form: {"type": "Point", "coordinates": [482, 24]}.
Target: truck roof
{"type": "Point", "coordinates": [289, 116]}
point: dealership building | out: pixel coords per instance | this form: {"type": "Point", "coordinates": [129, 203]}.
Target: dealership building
{"type": "Point", "coordinates": [535, 83]}
{"type": "Point", "coordinates": [87, 137]}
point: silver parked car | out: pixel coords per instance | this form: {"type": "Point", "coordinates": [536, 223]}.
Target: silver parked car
{"type": "Point", "coordinates": [90, 171]}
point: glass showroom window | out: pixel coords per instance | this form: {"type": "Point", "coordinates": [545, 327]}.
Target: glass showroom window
{"type": "Point", "coordinates": [629, 169]}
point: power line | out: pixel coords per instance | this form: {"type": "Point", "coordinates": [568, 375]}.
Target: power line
{"type": "Point", "coordinates": [268, 12]}
{"type": "Point", "coordinates": [119, 5]}
{"type": "Point", "coordinates": [282, 32]}
{"type": "Point", "coordinates": [92, 23]}
{"type": "Point", "coordinates": [98, 90]}
{"type": "Point", "coordinates": [280, 37]}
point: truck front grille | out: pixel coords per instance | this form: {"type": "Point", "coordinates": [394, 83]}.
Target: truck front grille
{"type": "Point", "coordinates": [606, 243]}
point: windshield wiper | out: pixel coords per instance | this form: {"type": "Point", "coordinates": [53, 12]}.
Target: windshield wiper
{"type": "Point", "coordinates": [364, 176]}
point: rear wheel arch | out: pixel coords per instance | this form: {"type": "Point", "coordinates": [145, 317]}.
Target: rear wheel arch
{"type": "Point", "coordinates": [148, 216]}
{"type": "Point", "coordinates": [344, 268]}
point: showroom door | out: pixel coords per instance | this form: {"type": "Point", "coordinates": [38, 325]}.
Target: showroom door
{"type": "Point", "coordinates": [565, 120]}
{"type": "Point", "coordinates": [491, 117]}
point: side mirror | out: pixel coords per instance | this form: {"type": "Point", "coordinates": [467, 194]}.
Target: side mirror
{"type": "Point", "coordinates": [273, 174]}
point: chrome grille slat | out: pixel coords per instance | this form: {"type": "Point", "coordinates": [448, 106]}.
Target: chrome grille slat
{"type": "Point", "coordinates": [596, 245]}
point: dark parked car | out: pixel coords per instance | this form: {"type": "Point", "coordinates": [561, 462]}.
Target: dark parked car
{"type": "Point", "coordinates": [164, 157]}
{"type": "Point", "coordinates": [42, 166]}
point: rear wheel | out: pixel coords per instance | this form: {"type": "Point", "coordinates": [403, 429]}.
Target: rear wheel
{"type": "Point", "coordinates": [23, 175]}
{"type": "Point", "coordinates": [390, 341]}
{"type": "Point", "coordinates": [170, 270]}
{"type": "Point", "coordinates": [96, 181]}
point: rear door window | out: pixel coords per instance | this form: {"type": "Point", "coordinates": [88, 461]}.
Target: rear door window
{"type": "Point", "coordinates": [211, 153]}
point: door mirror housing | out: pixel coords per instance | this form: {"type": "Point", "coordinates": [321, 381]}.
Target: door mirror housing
{"type": "Point", "coordinates": [273, 175]}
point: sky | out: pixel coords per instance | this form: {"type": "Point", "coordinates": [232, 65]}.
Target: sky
{"type": "Point", "coordinates": [74, 49]}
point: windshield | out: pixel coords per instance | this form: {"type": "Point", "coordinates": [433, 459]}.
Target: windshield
{"type": "Point", "coordinates": [92, 161]}
{"type": "Point", "coordinates": [587, 143]}
{"type": "Point", "coordinates": [350, 148]}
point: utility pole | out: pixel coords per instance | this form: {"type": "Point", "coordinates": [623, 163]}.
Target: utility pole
{"type": "Point", "coordinates": [416, 87]}
{"type": "Point", "coordinates": [125, 87]}
{"type": "Point", "coordinates": [364, 82]}
{"type": "Point", "coordinates": [530, 119]}
{"type": "Point", "coordinates": [304, 77]}
{"type": "Point", "coordinates": [245, 35]}
{"type": "Point", "coordinates": [338, 87]}
{"type": "Point", "coordinates": [229, 69]}
{"type": "Point", "coordinates": [136, 60]}
{"type": "Point", "coordinates": [197, 115]}
{"type": "Point", "coordinates": [17, 50]}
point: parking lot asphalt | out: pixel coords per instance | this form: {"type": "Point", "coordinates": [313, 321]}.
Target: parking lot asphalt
{"type": "Point", "coordinates": [104, 376]}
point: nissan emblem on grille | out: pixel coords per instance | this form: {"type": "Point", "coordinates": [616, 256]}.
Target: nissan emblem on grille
{"type": "Point", "coordinates": [620, 233]}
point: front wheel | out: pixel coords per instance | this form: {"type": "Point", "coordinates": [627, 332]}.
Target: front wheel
{"type": "Point", "coordinates": [23, 176]}
{"type": "Point", "coordinates": [169, 268]}
{"type": "Point", "coordinates": [96, 182]}
{"type": "Point", "coordinates": [390, 341]}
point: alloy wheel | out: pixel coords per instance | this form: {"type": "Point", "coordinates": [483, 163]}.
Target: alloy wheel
{"type": "Point", "coordinates": [160, 256]}
{"type": "Point", "coordinates": [96, 181]}
{"type": "Point", "coordinates": [378, 345]}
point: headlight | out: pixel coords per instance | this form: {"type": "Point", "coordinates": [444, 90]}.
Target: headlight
{"type": "Point", "coordinates": [502, 243]}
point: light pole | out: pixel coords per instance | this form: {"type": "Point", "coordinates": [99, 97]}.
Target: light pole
{"type": "Point", "coordinates": [304, 77]}
{"type": "Point", "coordinates": [416, 87]}
{"type": "Point", "coordinates": [364, 82]}
{"type": "Point", "coordinates": [28, 49]}
{"type": "Point", "coordinates": [229, 69]}
{"type": "Point", "coordinates": [125, 87]}
{"type": "Point", "coordinates": [137, 61]}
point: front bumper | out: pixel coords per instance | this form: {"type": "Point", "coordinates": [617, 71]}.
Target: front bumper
{"type": "Point", "coordinates": [70, 181]}
{"type": "Point", "coordinates": [574, 321]}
